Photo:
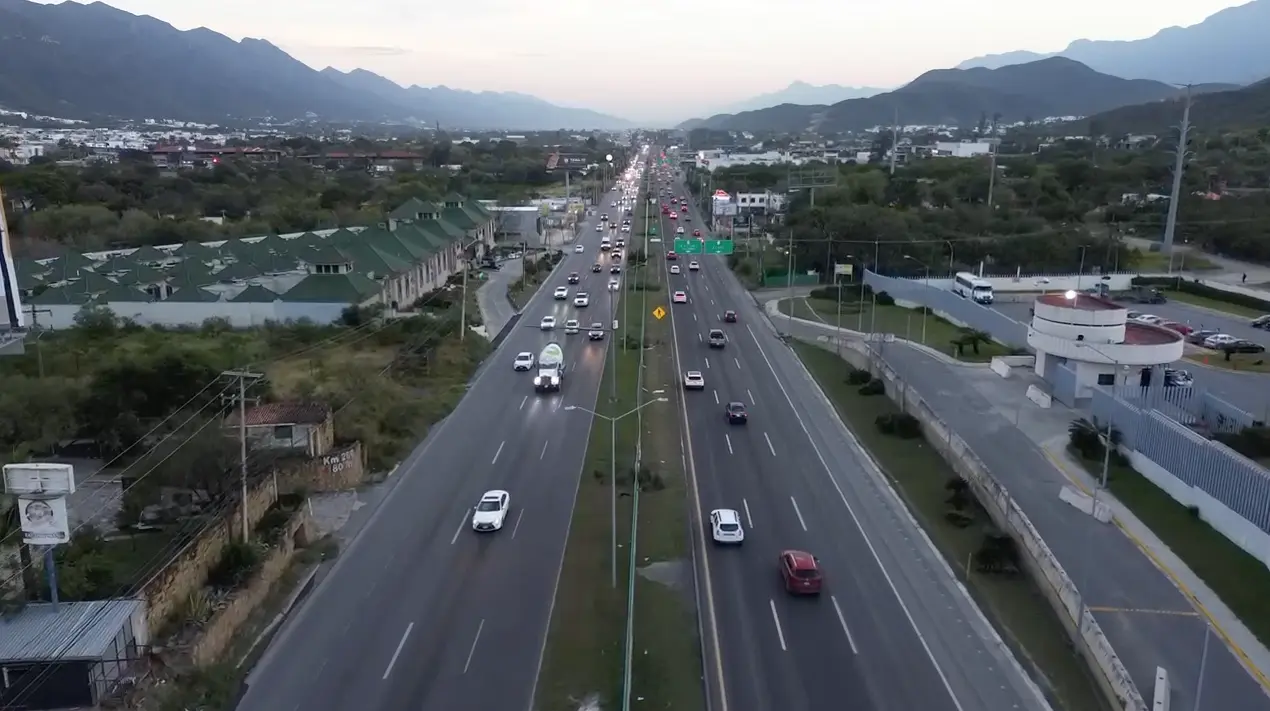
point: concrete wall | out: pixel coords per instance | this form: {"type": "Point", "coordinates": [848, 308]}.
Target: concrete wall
{"type": "Point", "coordinates": [1051, 578]}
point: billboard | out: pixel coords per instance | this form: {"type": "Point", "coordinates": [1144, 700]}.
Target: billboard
{"type": "Point", "coordinates": [722, 204]}
{"type": "Point", "coordinates": [11, 314]}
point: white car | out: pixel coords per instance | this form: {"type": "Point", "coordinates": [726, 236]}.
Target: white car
{"type": "Point", "coordinates": [626, 228]}
{"type": "Point", "coordinates": [599, 228]}
{"type": "Point", "coordinates": [572, 326]}
{"type": "Point", "coordinates": [694, 380]}
{"type": "Point", "coordinates": [548, 323]}
{"type": "Point", "coordinates": [680, 297]}
{"type": "Point", "coordinates": [582, 299]}
{"type": "Point", "coordinates": [491, 511]}
{"type": "Point", "coordinates": [613, 285]}
{"type": "Point", "coordinates": [725, 526]}
{"type": "Point", "coordinates": [1219, 340]}
{"type": "Point", "coordinates": [693, 266]}
{"type": "Point", "coordinates": [674, 269]}
{"type": "Point", "coordinates": [1149, 318]}
{"type": "Point", "coordinates": [562, 293]}
{"type": "Point", "coordinates": [679, 231]}
{"type": "Point", "coordinates": [524, 361]}
{"type": "Point", "coordinates": [579, 249]}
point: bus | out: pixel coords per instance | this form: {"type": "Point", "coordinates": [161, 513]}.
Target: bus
{"type": "Point", "coordinates": [969, 286]}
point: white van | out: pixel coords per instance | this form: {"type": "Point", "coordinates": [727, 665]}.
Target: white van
{"type": "Point", "coordinates": [605, 245]}
{"type": "Point", "coordinates": [969, 286]}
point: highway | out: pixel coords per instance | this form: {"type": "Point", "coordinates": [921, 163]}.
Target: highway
{"type": "Point", "coordinates": [421, 612]}
{"type": "Point", "coordinates": [891, 631]}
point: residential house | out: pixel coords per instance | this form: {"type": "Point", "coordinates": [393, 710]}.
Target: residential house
{"type": "Point", "coordinates": [306, 428]}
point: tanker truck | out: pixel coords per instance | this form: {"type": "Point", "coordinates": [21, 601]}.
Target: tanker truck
{"type": "Point", "coordinates": [550, 369]}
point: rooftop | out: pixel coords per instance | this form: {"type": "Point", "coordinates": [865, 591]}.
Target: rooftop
{"type": "Point", "coordinates": [1144, 334]}
{"type": "Point", "coordinates": [284, 413]}
{"type": "Point", "coordinates": [67, 631]}
{"type": "Point", "coordinates": [1082, 302]}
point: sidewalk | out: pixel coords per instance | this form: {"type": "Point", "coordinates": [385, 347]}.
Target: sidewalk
{"type": "Point", "coordinates": [491, 297]}
{"type": "Point", "coordinates": [1152, 608]}
{"type": "Point", "coordinates": [1233, 270]}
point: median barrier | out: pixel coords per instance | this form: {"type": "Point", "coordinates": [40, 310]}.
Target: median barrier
{"type": "Point", "coordinates": [1085, 632]}
{"type": "Point", "coordinates": [1160, 700]}
{"type": "Point", "coordinates": [1039, 396]}
{"type": "Point", "coordinates": [1000, 367]}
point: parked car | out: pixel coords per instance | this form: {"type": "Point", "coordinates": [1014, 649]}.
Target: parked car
{"type": "Point", "coordinates": [1197, 338]}
{"type": "Point", "coordinates": [1261, 322]}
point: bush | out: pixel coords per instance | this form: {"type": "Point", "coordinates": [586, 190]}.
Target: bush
{"type": "Point", "coordinates": [899, 424]}
{"type": "Point", "coordinates": [850, 292]}
{"type": "Point", "coordinates": [238, 563]}
{"type": "Point", "coordinates": [873, 387]}
{"type": "Point", "coordinates": [884, 299]}
{"type": "Point", "coordinates": [858, 377]}
{"type": "Point", "coordinates": [1252, 442]}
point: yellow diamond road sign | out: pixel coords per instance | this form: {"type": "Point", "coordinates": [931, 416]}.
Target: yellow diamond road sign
{"type": "Point", "coordinates": [659, 312]}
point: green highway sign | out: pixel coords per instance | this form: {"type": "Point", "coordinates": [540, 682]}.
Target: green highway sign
{"type": "Point", "coordinates": [703, 246]}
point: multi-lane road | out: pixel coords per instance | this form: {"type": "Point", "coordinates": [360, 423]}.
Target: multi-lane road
{"type": "Point", "coordinates": [892, 630]}
{"type": "Point", "coordinates": [421, 612]}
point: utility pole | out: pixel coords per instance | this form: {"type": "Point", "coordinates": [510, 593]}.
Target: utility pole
{"type": "Point", "coordinates": [895, 138]}
{"type": "Point", "coordinates": [243, 376]}
{"type": "Point", "coordinates": [992, 175]}
{"type": "Point", "coordinates": [1179, 164]}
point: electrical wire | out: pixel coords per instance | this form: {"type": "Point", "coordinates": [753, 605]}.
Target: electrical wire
{"type": "Point", "coordinates": [164, 555]}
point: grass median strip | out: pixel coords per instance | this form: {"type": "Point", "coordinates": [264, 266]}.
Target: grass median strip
{"type": "Point", "coordinates": [667, 668]}
{"type": "Point", "coordinates": [921, 476]}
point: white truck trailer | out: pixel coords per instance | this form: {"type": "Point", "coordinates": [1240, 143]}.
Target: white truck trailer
{"type": "Point", "coordinates": [550, 369]}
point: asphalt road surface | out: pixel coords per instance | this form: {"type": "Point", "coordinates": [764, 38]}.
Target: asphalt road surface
{"type": "Point", "coordinates": [421, 612]}
{"type": "Point", "coordinates": [891, 631]}
{"type": "Point", "coordinates": [1250, 391]}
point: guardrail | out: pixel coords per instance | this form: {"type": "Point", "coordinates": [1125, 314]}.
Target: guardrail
{"type": "Point", "coordinates": [1085, 632]}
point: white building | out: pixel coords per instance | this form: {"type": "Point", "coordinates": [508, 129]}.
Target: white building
{"type": "Point", "coordinates": [1096, 340]}
{"type": "Point", "coordinates": [963, 149]}
{"type": "Point", "coordinates": [766, 201]}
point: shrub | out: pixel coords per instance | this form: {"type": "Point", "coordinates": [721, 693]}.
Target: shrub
{"type": "Point", "coordinates": [899, 424]}
{"type": "Point", "coordinates": [873, 387]}
{"type": "Point", "coordinates": [884, 299]}
{"type": "Point", "coordinates": [858, 377]}
{"type": "Point", "coordinates": [1199, 289]}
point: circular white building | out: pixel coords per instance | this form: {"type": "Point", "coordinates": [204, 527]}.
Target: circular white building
{"type": "Point", "coordinates": [1094, 338]}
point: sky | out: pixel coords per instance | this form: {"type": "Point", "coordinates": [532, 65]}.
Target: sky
{"type": "Point", "coordinates": [664, 60]}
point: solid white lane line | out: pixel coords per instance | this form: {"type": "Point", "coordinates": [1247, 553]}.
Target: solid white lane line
{"type": "Point", "coordinates": [843, 621]}
{"type": "Point", "coordinates": [729, 441]}
{"type": "Point", "coordinates": [716, 397]}
{"type": "Point", "coordinates": [801, 522]}
{"type": "Point", "coordinates": [516, 527]}
{"type": "Point", "coordinates": [522, 402]}
{"type": "Point", "coordinates": [856, 519]}
{"type": "Point", "coordinates": [770, 448]}
{"type": "Point", "coordinates": [747, 392]}
{"type": "Point", "coordinates": [459, 530]}
{"type": "Point", "coordinates": [738, 363]}
{"type": "Point", "coordinates": [472, 651]}
{"type": "Point", "coordinates": [397, 653]}
{"type": "Point", "coordinates": [500, 451]}
{"type": "Point", "coordinates": [780, 634]}
{"type": "Point", "coordinates": [544, 450]}
{"type": "Point", "coordinates": [748, 518]}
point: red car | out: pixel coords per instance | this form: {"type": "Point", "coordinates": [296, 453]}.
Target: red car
{"type": "Point", "coordinates": [674, 201]}
{"type": "Point", "coordinates": [1179, 327]}
{"type": "Point", "coordinates": [665, 210]}
{"type": "Point", "coordinates": [684, 208]}
{"type": "Point", "coordinates": [673, 216]}
{"type": "Point", "coordinates": [801, 572]}
{"type": "Point", "coordinates": [671, 256]}
{"type": "Point", "coordinates": [696, 233]}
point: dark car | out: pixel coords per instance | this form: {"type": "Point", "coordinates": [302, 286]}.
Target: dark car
{"type": "Point", "coordinates": [574, 278]}
{"type": "Point", "coordinates": [800, 571]}
{"type": "Point", "coordinates": [729, 317]}
{"type": "Point", "coordinates": [1242, 346]}
{"type": "Point", "coordinates": [597, 268]}
{"type": "Point", "coordinates": [615, 269]}
{"type": "Point", "coordinates": [736, 413]}
{"type": "Point", "coordinates": [1261, 322]}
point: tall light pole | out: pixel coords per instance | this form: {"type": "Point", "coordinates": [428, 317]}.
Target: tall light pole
{"type": "Point", "coordinates": [613, 461]}
{"type": "Point", "coordinates": [1179, 164]}
{"type": "Point", "coordinates": [925, 307]}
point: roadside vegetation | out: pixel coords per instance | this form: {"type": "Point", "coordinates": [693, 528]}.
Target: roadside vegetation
{"type": "Point", "coordinates": [987, 564]}
{"type": "Point", "coordinates": [535, 273]}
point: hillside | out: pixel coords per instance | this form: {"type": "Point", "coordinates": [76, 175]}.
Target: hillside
{"type": "Point", "coordinates": [803, 94]}
{"type": "Point", "coordinates": [95, 61]}
{"type": "Point", "coordinates": [1050, 87]}
{"type": "Point", "coordinates": [1248, 107]}
{"type": "Point", "coordinates": [1228, 47]}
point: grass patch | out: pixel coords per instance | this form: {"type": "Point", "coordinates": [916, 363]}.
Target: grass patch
{"type": "Point", "coordinates": [918, 471]}
{"type": "Point", "coordinates": [667, 668]}
{"type": "Point", "coordinates": [1240, 580]}
{"type": "Point", "coordinates": [1212, 304]}
{"type": "Point", "coordinates": [904, 323]}
{"type": "Point", "coordinates": [583, 658]}
{"type": "Point", "coordinates": [1157, 262]}
{"type": "Point", "coordinates": [1241, 362]}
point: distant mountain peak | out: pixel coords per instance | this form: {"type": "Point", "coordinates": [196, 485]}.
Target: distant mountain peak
{"type": "Point", "coordinates": [1226, 47]}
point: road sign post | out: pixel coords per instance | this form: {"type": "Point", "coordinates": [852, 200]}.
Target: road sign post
{"type": "Point", "coordinates": [659, 313]}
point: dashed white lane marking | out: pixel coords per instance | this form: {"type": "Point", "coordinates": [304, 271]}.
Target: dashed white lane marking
{"type": "Point", "coordinates": [402, 643]}
{"type": "Point", "coordinates": [780, 634]}
{"type": "Point", "coordinates": [748, 518]}
{"type": "Point", "coordinates": [843, 621]}
{"type": "Point", "coordinates": [798, 513]}
{"type": "Point", "coordinates": [472, 651]}
{"type": "Point", "coordinates": [770, 448]}
{"type": "Point", "coordinates": [500, 451]}
{"type": "Point", "coordinates": [729, 441]}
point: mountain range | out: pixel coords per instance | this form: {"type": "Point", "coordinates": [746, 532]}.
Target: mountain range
{"type": "Point", "coordinates": [803, 93]}
{"type": "Point", "coordinates": [1055, 86]}
{"type": "Point", "coordinates": [94, 61]}
{"type": "Point", "coordinates": [1247, 107]}
{"type": "Point", "coordinates": [1228, 47]}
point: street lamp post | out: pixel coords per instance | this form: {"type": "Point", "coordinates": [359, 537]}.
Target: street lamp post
{"type": "Point", "coordinates": [926, 296]}
{"type": "Point", "coordinates": [613, 460]}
